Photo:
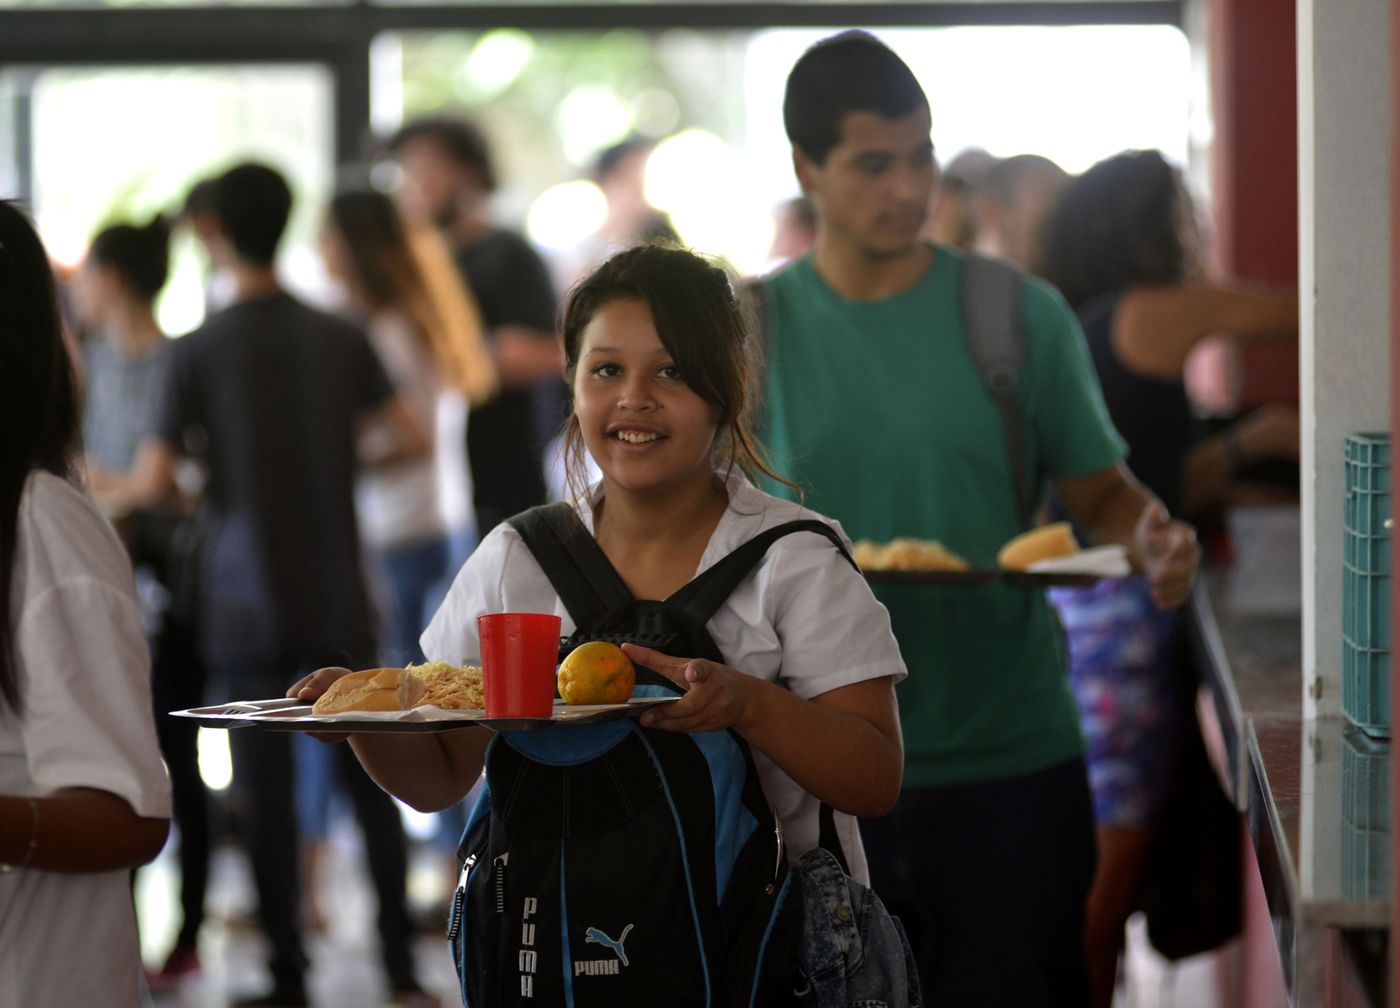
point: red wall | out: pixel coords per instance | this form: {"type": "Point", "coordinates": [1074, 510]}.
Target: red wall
{"type": "Point", "coordinates": [1255, 168]}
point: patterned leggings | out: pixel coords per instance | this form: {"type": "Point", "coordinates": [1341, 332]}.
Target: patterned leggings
{"type": "Point", "coordinates": [1122, 653]}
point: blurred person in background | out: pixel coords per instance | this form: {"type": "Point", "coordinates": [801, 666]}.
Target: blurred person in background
{"type": "Point", "coordinates": [83, 795]}
{"type": "Point", "coordinates": [449, 176]}
{"type": "Point", "coordinates": [115, 294]}
{"type": "Point", "coordinates": [874, 406]}
{"type": "Point", "coordinates": [794, 231]}
{"type": "Point", "coordinates": [1123, 245]}
{"type": "Point", "coordinates": [1009, 208]}
{"type": "Point", "coordinates": [367, 248]}
{"type": "Point", "coordinates": [198, 215]}
{"type": "Point", "coordinates": [951, 216]}
{"type": "Point", "coordinates": [473, 382]}
{"type": "Point", "coordinates": [619, 172]}
{"type": "Point", "coordinates": [272, 395]}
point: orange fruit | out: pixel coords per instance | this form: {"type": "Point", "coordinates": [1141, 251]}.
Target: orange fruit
{"type": "Point", "coordinates": [596, 673]}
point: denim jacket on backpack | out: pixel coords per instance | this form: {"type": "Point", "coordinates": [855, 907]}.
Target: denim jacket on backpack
{"type": "Point", "coordinates": [853, 952]}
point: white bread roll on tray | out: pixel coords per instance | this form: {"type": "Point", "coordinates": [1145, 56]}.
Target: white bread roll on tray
{"type": "Point", "coordinates": [1044, 543]}
{"type": "Point", "coordinates": [377, 689]}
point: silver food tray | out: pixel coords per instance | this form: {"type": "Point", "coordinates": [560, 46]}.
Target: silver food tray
{"type": "Point", "coordinates": [289, 714]}
{"type": "Point", "coordinates": [1025, 579]}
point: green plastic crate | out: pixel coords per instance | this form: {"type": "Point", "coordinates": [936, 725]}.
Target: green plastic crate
{"type": "Point", "coordinates": [1365, 853]}
{"type": "Point", "coordinates": [1366, 582]}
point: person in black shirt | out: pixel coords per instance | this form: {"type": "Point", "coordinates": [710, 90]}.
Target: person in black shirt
{"type": "Point", "coordinates": [449, 177]}
{"type": "Point", "coordinates": [269, 394]}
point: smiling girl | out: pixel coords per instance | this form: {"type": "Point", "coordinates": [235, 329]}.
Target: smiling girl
{"type": "Point", "coordinates": [662, 378]}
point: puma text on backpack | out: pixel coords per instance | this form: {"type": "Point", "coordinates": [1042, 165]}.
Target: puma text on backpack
{"type": "Point", "coordinates": [612, 864]}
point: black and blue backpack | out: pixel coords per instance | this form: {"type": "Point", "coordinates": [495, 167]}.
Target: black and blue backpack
{"type": "Point", "coordinates": [613, 864]}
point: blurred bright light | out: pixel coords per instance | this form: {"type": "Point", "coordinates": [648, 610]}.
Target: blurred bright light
{"type": "Point", "coordinates": [695, 177]}
{"type": "Point", "coordinates": [209, 117]}
{"type": "Point", "coordinates": [496, 61]}
{"type": "Point", "coordinates": [418, 825]}
{"type": "Point", "coordinates": [215, 763]}
{"type": "Point", "coordinates": [565, 214]}
{"type": "Point", "coordinates": [181, 306]}
{"type": "Point", "coordinates": [590, 118]}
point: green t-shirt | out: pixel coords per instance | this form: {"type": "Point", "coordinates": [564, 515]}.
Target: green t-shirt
{"type": "Point", "coordinates": [877, 410]}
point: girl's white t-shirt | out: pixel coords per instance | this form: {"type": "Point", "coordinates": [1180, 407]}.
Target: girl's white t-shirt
{"type": "Point", "coordinates": [804, 619]}
{"type": "Point", "coordinates": [84, 675]}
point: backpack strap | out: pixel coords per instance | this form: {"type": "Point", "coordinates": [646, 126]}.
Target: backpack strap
{"type": "Point", "coordinates": [992, 316]}
{"type": "Point", "coordinates": [587, 582]}
{"type": "Point", "coordinates": [707, 592]}
{"type": "Point", "coordinates": [703, 596]}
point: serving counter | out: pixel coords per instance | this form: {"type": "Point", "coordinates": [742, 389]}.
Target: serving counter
{"type": "Point", "coordinates": [1316, 798]}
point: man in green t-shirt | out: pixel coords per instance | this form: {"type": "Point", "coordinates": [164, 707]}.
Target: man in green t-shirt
{"type": "Point", "coordinates": [875, 408]}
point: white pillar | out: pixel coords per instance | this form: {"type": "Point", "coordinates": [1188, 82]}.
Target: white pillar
{"type": "Point", "coordinates": [1344, 283]}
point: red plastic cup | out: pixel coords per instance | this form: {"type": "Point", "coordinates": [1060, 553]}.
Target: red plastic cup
{"type": "Point", "coordinates": [519, 652]}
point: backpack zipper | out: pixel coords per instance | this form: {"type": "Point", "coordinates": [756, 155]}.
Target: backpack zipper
{"type": "Point", "coordinates": [500, 864]}
{"type": "Point", "coordinates": [778, 863]}
{"type": "Point", "coordinates": [454, 918]}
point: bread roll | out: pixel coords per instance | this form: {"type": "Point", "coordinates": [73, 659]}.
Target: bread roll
{"type": "Point", "coordinates": [1044, 543]}
{"type": "Point", "coordinates": [378, 689]}
{"type": "Point", "coordinates": [922, 554]}
{"type": "Point", "coordinates": [868, 555]}
{"type": "Point", "coordinates": [906, 554]}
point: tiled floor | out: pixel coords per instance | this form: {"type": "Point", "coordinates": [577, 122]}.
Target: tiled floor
{"type": "Point", "coordinates": [345, 964]}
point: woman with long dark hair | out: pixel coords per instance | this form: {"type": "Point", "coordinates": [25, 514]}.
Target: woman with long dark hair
{"type": "Point", "coordinates": [1123, 245]}
{"type": "Point", "coordinates": [83, 793]}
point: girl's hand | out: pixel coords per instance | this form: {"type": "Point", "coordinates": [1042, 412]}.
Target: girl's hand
{"type": "Point", "coordinates": [309, 689]}
{"type": "Point", "coordinates": [716, 695]}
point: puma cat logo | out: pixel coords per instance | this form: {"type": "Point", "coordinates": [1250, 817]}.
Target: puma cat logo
{"type": "Point", "coordinates": [596, 937]}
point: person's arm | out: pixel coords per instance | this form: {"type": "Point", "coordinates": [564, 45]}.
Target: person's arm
{"type": "Point", "coordinates": [429, 771]}
{"type": "Point", "coordinates": [1112, 507]}
{"type": "Point", "coordinates": [525, 355]}
{"type": "Point", "coordinates": [84, 725]}
{"type": "Point", "coordinates": [392, 434]}
{"type": "Point", "coordinates": [149, 483]}
{"type": "Point", "coordinates": [524, 343]}
{"type": "Point", "coordinates": [1156, 328]}
{"type": "Point", "coordinates": [77, 830]}
{"type": "Point", "coordinates": [843, 747]}
{"type": "Point", "coordinates": [1268, 432]}
{"type": "Point", "coordinates": [388, 430]}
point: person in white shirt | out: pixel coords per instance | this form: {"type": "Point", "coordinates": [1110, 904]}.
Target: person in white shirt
{"type": "Point", "coordinates": [84, 796]}
{"type": "Point", "coordinates": [661, 374]}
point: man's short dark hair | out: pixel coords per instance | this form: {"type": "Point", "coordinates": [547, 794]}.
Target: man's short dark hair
{"type": "Point", "coordinates": [459, 139]}
{"type": "Point", "coordinates": [850, 72]}
{"type": "Point", "coordinates": [252, 203]}
{"type": "Point", "coordinates": [200, 199]}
